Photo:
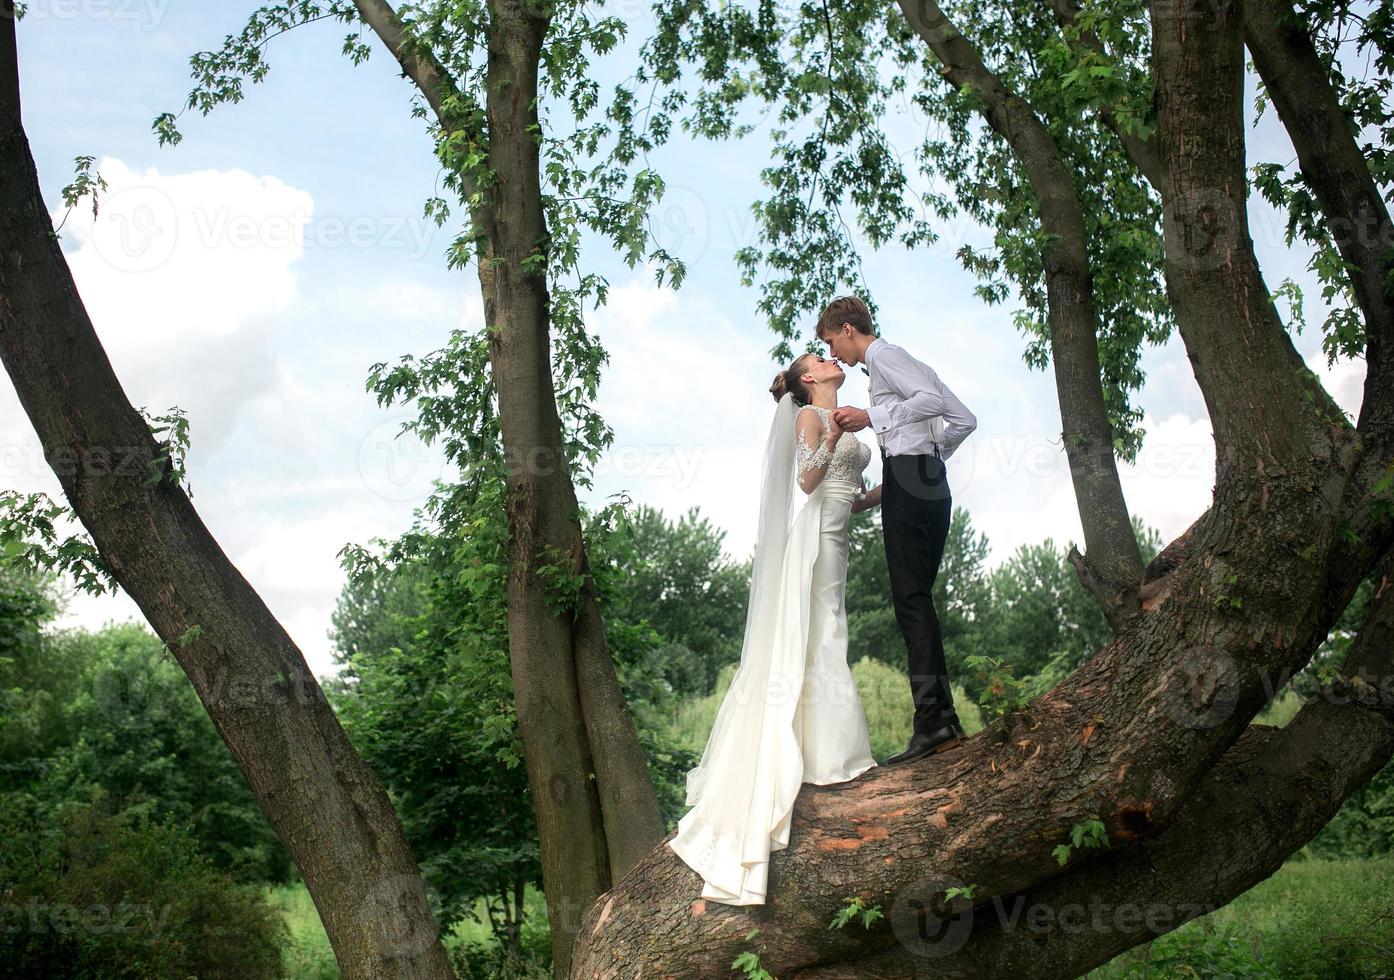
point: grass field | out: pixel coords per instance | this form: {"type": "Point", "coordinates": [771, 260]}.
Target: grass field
{"type": "Point", "coordinates": [1313, 920]}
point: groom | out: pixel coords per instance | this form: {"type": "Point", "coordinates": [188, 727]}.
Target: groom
{"type": "Point", "coordinates": [919, 423]}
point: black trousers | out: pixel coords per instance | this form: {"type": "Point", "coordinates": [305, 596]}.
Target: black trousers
{"type": "Point", "coordinates": [915, 509]}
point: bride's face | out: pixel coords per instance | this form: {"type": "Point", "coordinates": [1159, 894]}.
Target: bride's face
{"type": "Point", "coordinates": [818, 369]}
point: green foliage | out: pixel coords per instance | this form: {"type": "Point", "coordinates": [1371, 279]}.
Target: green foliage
{"type": "Point", "coordinates": [85, 184]}
{"type": "Point", "coordinates": [1310, 919]}
{"type": "Point", "coordinates": [855, 907]}
{"type": "Point", "coordinates": [94, 894]}
{"type": "Point", "coordinates": [111, 712]}
{"type": "Point", "coordinates": [1089, 833]}
{"type": "Point", "coordinates": [748, 962]}
{"type": "Point", "coordinates": [29, 541]}
{"type": "Point", "coordinates": [425, 695]}
{"type": "Point", "coordinates": [1001, 694]}
{"type": "Point", "coordinates": [681, 583]}
{"type": "Point", "coordinates": [168, 466]}
{"type": "Point", "coordinates": [836, 76]}
{"type": "Point", "coordinates": [964, 892]}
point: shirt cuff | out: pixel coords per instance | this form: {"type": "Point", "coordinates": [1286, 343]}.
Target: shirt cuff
{"type": "Point", "coordinates": [880, 418]}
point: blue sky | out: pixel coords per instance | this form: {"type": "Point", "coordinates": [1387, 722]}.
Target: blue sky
{"type": "Point", "coordinates": [252, 274]}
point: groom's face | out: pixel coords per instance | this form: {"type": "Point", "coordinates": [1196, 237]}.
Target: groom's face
{"type": "Point", "coordinates": [841, 346]}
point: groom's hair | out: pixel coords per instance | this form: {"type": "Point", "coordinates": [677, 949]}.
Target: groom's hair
{"type": "Point", "coordinates": [845, 309]}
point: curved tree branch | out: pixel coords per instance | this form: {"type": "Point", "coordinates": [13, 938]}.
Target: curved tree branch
{"type": "Point", "coordinates": [1268, 796]}
{"type": "Point", "coordinates": [1359, 223]}
{"type": "Point", "coordinates": [1111, 568]}
{"type": "Point", "coordinates": [1142, 152]}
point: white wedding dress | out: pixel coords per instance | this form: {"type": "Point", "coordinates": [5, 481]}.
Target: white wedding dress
{"type": "Point", "coordinates": [792, 714]}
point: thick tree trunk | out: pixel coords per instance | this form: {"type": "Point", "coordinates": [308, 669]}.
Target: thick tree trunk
{"type": "Point", "coordinates": [571, 829]}
{"type": "Point", "coordinates": [1139, 729]}
{"type": "Point", "coordinates": [1268, 796]}
{"type": "Point", "coordinates": [1358, 220]}
{"type": "Point", "coordinates": [596, 808]}
{"type": "Point", "coordinates": [319, 796]}
{"type": "Point", "coordinates": [1111, 567]}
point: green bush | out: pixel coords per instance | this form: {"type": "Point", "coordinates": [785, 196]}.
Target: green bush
{"type": "Point", "coordinates": [94, 894]}
{"type": "Point", "coordinates": [884, 692]}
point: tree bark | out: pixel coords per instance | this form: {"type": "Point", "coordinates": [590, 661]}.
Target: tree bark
{"type": "Point", "coordinates": [597, 811]}
{"type": "Point", "coordinates": [1268, 796]}
{"type": "Point", "coordinates": [319, 796]}
{"type": "Point", "coordinates": [1111, 568]}
{"type": "Point", "coordinates": [1359, 223]}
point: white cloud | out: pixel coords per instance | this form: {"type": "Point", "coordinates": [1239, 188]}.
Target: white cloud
{"type": "Point", "coordinates": [180, 274]}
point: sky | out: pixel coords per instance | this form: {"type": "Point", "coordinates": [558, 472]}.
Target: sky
{"type": "Point", "coordinates": [254, 273]}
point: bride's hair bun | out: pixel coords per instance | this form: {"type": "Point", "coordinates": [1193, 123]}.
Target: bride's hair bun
{"type": "Point", "coordinates": [791, 379]}
{"type": "Point", "coordinates": [780, 386]}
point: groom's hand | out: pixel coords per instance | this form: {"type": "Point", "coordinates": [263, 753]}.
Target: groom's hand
{"type": "Point", "coordinates": [851, 419]}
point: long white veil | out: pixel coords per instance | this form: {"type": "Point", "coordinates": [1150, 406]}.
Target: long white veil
{"type": "Point", "coordinates": [771, 541]}
{"type": "Point", "coordinates": [792, 710]}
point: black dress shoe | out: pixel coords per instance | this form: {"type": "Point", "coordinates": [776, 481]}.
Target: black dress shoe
{"type": "Point", "coordinates": [921, 744]}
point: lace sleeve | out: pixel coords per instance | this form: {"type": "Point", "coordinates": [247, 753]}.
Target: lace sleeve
{"type": "Point", "coordinates": [811, 463]}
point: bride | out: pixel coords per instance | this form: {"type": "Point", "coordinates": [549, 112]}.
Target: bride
{"type": "Point", "coordinates": [792, 714]}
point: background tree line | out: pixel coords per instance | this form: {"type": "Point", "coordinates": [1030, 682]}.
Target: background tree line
{"type": "Point", "coordinates": [115, 788]}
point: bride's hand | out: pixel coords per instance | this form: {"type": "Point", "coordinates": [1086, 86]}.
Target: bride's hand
{"type": "Point", "coordinates": [834, 432]}
{"type": "Point", "coordinates": [872, 498]}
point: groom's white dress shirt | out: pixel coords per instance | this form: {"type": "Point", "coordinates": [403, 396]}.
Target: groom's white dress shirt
{"type": "Point", "coordinates": [911, 410]}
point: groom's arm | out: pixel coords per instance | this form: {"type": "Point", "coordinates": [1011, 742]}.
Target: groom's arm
{"type": "Point", "coordinates": [920, 398]}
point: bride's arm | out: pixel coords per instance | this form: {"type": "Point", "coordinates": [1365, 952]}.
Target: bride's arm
{"type": "Point", "coordinates": [872, 499]}
{"type": "Point", "coordinates": [813, 449]}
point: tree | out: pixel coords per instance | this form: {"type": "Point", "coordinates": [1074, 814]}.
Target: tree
{"type": "Point", "coordinates": [682, 584]}
{"type": "Point", "coordinates": [1141, 748]}
{"type": "Point", "coordinates": [319, 796]}
{"type": "Point", "coordinates": [476, 66]}
{"type": "Point", "coordinates": [1147, 748]}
